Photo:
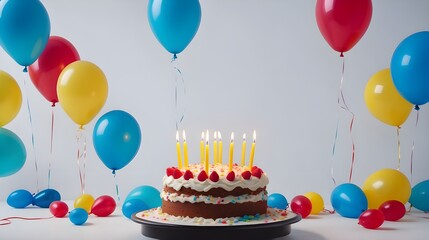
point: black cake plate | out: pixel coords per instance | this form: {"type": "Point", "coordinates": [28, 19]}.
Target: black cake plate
{"type": "Point", "coordinates": [164, 229]}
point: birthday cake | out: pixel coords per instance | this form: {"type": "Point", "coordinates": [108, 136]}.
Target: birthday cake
{"type": "Point", "coordinates": [216, 193]}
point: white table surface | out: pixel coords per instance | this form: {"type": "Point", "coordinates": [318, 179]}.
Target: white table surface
{"type": "Point", "coordinates": [414, 225]}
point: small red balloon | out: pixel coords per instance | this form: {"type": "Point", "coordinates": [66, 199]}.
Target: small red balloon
{"type": "Point", "coordinates": [103, 206]}
{"type": "Point", "coordinates": [301, 205]}
{"type": "Point", "coordinates": [371, 218]}
{"type": "Point", "coordinates": [59, 209]}
{"type": "Point", "coordinates": [393, 210]}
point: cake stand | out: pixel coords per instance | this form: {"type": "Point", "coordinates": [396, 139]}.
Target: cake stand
{"type": "Point", "coordinates": [268, 227]}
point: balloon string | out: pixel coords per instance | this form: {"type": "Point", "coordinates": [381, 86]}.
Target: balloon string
{"type": "Point", "coordinates": [412, 148]}
{"type": "Point", "coordinates": [6, 221]}
{"type": "Point", "coordinates": [325, 210]}
{"type": "Point", "coordinates": [81, 155]}
{"type": "Point", "coordinates": [32, 136]}
{"type": "Point", "coordinates": [399, 146]}
{"type": "Point", "coordinates": [52, 143]}
{"type": "Point", "coordinates": [117, 187]}
{"type": "Point", "coordinates": [333, 148]}
{"type": "Point", "coordinates": [178, 76]}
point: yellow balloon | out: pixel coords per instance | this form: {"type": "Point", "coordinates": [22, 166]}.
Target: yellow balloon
{"type": "Point", "coordinates": [384, 101]}
{"type": "Point", "coordinates": [82, 91]}
{"type": "Point", "coordinates": [10, 98]}
{"type": "Point", "coordinates": [84, 201]}
{"type": "Point", "coordinates": [384, 185]}
{"type": "Point", "coordinates": [316, 202]}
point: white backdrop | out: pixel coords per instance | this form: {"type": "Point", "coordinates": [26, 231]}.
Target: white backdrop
{"type": "Point", "coordinates": [253, 65]}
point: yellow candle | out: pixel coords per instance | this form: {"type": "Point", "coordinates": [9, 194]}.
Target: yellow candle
{"type": "Point", "coordinates": [202, 149]}
{"type": "Point", "coordinates": [179, 155]}
{"type": "Point", "coordinates": [231, 152]}
{"type": "Point", "coordinates": [185, 151]}
{"type": "Point", "coordinates": [206, 162]}
{"type": "Point", "coordinates": [252, 151]}
{"type": "Point", "coordinates": [219, 158]}
{"type": "Point", "coordinates": [243, 151]}
{"type": "Point", "coordinates": [215, 148]}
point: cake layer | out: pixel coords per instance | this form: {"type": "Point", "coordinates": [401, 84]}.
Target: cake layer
{"type": "Point", "coordinates": [216, 192]}
{"type": "Point", "coordinates": [214, 210]}
{"type": "Point", "coordinates": [177, 197]}
{"type": "Point", "coordinates": [252, 182]}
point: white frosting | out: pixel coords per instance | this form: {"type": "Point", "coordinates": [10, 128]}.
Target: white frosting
{"type": "Point", "coordinates": [253, 183]}
{"type": "Point", "coordinates": [174, 197]}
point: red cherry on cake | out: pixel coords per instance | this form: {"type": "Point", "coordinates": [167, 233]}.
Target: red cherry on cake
{"type": "Point", "coordinates": [202, 176]}
{"type": "Point", "coordinates": [170, 171]}
{"type": "Point", "coordinates": [257, 172]}
{"type": "Point", "coordinates": [231, 176]}
{"type": "Point", "coordinates": [246, 175]}
{"type": "Point", "coordinates": [214, 177]}
{"type": "Point", "coordinates": [177, 173]}
{"type": "Point", "coordinates": [188, 175]}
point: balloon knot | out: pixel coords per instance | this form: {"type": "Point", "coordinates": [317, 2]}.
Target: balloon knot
{"type": "Point", "coordinates": [417, 107]}
{"type": "Point", "coordinates": [25, 69]}
{"type": "Point", "coordinates": [53, 104]}
{"type": "Point", "coordinates": [174, 56]}
{"type": "Point", "coordinates": [341, 54]}
{"type": "Point", "coordinates": [114, 172]}
{"type": "Point", "coordinates": [81, 127]}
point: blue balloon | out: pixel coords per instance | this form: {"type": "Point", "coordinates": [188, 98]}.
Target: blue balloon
{"type": "Point", "coordinates": [174, 22]}
{"type": "Point", "coordinates": [20, 198]}
{"type": "Point", "coordinates": [410, 68]}
{"type": "Point", "coordinates": [349, 200]}
{"type": "Point", "coordinates": [116, 139]}
{"type": "Point", "coordinates": [148, 194]}
{"type": "Point", "coordinates": [420, 196]}
{"type": "Point", "coordinates": [132, 206]}
{"type": "Point", "coordinates": [277, 200]}
{"type": "Point", "coordinates": [44, 198]}
{"type": "Point", "coordinates": [78, 216]}
{"type": "Point", "coordinates": [24, 29]}
{"type": "Point", "coordinates": [12, 153]}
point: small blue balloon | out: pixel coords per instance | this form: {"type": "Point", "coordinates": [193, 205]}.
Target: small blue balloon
{"type": "Point", "coordinates": [12, 153]}
{"type": "Point", "coordinates": [78, 216]}
{"type": "Point", "coordinates": [410, 68]}
{"type": "Point", "coordinates": [277, 200]}
{"type": "Point", "coordinates": [174, 22]}
{"type": "Point", "coordinates": [20, 198]}
{"type": "Point", "coordinates": [132, 206]}
{"type": "Point", "coordinates": [44, 198]}
{"type": "Point", "coordinates": [116, 139]}
{"type": "Point", "coordinates": [148, 194]}
{"type": "Point", "coordinates": [420, 196]}
{"type": "Point", "coordinates": [349, 200]}
{"type": "Point", "coordinates": [24, 29]}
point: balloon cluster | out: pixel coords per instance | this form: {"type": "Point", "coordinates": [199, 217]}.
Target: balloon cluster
{"type": "Point", "coordinates": [84, 205]}
{"type": "Point", "coordinates": [382, 198]}
{"type": "Point", "coordinates": [22, 198]}
{"type": "Point", "coordinates": [141, 198]}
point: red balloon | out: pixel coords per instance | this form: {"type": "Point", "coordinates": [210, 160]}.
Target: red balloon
{"type": "Point", "coordinates": [103, 206]}
{"type": "Point", "coordinates": [44, 72]}
{"type": "Point", "coordinates": [301, 205]}
{"type": "Point", "coordinates": [371, 218]}
{"type": "Point", "coordinates": [59, 209]}
{"type": "Point", "coordinates": [393, 210]}
{"type": "Point", "coordinates": [343, 23]}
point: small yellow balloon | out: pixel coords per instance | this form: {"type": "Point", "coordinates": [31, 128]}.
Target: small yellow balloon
{"type": "Point", "coordinates": [82, 91]}
{"type": "Point", "coordinates": [84, 201]}
{"type": "Point", "coordinates": [384, 185]}
{"type": "Point", "coordinates": [316, 202]}
{"type": "Point", "coordinates": [10, 98]}
{"type": "Point", "coordinates": [384, 101]}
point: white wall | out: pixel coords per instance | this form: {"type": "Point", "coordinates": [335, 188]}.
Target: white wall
{"type": "Point", "coordinates": [259, 65]}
